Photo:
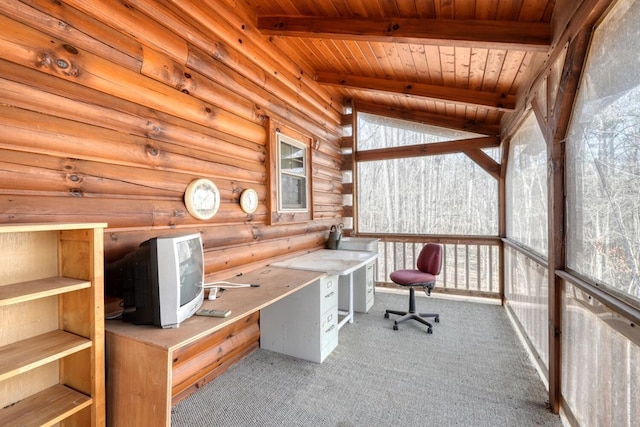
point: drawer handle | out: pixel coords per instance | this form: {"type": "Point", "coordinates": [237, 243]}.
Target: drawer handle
{"type": "Point", "coordinates": [331, 328]}
{"type": "Point", "coordinates": [369, 291]}
{"type": "Point", "coordinates": [329, 295]}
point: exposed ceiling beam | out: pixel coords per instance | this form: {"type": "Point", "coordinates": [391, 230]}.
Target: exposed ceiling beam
{"type": "Point", "coordinates": [436, 148]}
{"type": "Point", "coordinates": [485, 161]}
{"type": "Point", "coordinates": [516, 35]}
{"type": "Point", "coordinates": [475, 98]}
{"type": "Point", "coordinates": [428, 118]}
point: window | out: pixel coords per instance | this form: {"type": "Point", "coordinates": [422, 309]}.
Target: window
{"type": "Point", "coordinates": [292, 174]}
{"type": "Point", "coordinates": [290, 182]}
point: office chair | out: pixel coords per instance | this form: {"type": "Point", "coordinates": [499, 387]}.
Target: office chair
{"type": "Point", "coordinates": [428, 267]}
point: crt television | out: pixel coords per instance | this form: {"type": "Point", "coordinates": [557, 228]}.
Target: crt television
{"type": "Point", "coordinates": [161, 283]}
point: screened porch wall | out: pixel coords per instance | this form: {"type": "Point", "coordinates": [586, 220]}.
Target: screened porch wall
{"type": "Point", "coordinates": [600, 348]}
{"type": "Point", "coordinates": [600, 366]}
{"type": "Point", "coordinates": [526, 287]}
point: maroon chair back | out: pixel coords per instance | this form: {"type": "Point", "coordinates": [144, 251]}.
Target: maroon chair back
{"type": "Point", "coordinates": [430, 259]}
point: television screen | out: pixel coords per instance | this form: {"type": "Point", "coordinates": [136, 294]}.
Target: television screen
{"type": "Point", "coordinates": [161, 283]}
{"type": "Point", "coordinates": [191, 272]}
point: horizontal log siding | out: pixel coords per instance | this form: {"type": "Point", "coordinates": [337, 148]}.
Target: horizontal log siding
{"type": "Point", "coordinates": [202, 361]}
{"type": "Point", "coordinates": [110, 109]}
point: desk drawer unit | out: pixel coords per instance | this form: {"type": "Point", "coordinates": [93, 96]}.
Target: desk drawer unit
{"type": "Point", "coordinates": [305, 323]}
{"type": "Point", "coordinates": [363, 289]}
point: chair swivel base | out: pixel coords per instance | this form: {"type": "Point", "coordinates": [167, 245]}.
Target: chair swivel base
{"type": "Point", "coordinates": [412, 315]}
{"type": "Point", "coordinates": [420, 317]}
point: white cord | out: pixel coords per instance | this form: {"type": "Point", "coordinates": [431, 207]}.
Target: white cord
{"type": "Point", "coordinates": [214, 286]}
{"type": "Point", "coordinates": [224, 284]}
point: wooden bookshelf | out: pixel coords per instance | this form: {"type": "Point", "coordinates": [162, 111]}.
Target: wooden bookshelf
{"type": "Point", "coordinates": [34, 289]}
{"type": "Point", "coordinates": [48, 407]}
{"type": "Point", "coordinates": [37, 351]}
{"type": "Point", "coordinates": [52, 332]}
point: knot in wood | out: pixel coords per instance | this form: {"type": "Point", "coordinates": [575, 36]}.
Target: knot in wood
{"type": "Point", "coordinates": [71, 49]}
{"type": "Point", "coordinates": [392, 27]}
{"type": "Point", "coordinates": [66, 67]}
{"type": "Point", "coordinates": [45, 59]}
{"type": "Point", "coordinates": [151, 150]}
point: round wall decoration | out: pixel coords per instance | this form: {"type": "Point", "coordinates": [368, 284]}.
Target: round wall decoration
{"type": "Point", "coordinates": [202, 198]}
{"type": "Point", "coordinates": [249, 200]}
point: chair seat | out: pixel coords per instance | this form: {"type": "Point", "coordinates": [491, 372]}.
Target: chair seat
{"type": "Point", "coordinates": [412, 277]}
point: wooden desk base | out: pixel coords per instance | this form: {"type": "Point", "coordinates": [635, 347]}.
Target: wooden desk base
{"type": "Point", "coordinates": [150, 369]}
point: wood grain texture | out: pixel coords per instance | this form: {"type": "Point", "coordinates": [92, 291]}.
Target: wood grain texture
{"type": "Point", "coordinates": [40, 288]}
{"type": "Point", "coordinates": [458, 32]}
{"type": "Point", "coordinates": [463, 46]}
{"type": "Point", "coordinates": [196, 364]}
{"type": "Point", "coordinates": [100, 122]}
{"type": "Point", "coordinates": [456, 95]}
{"type": "Point", "coordinates": [99, 128]}
{"type": "Point", "coordinates": [30, 353]}
{"type": "Point", "coordinates": [49, 407]}
{"type": "Point", "coordinates": [185, 358]}
{"type": "Point", "coordinates": [53, 324]}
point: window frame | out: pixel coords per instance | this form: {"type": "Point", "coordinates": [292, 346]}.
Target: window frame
{"type": "Point", "coordinates": [277, 132]}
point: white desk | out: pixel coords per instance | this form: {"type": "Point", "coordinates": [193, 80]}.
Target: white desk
{"type": "Point", "coordinates": [341, 263]}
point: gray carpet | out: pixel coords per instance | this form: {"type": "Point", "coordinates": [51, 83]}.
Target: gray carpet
{"type": "Point", "coordinates": [472, 371]}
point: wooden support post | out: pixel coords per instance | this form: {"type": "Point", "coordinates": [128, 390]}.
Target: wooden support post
{"type": "Point", "coordinates": [559, 124]}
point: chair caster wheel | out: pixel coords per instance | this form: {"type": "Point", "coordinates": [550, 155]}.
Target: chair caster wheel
{"type": "Point", "coordinates": [429, 331]}
{"type": "Point", "coordinates": [386, 315]}
{"type": "Point", "coordinates": [395, 327]}
{"type": "Point", "coordinates": [437, 320]}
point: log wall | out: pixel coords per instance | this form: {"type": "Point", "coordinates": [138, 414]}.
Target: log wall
{"type": "Point", "coordinates": [108, 109]}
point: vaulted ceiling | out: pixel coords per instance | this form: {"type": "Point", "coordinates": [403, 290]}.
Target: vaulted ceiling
{"type": "Point", "coordinates": [459, 63]}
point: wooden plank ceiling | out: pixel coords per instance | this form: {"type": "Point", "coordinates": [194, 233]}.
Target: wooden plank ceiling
{"type": "Point", "coordinates": [455, 62]}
